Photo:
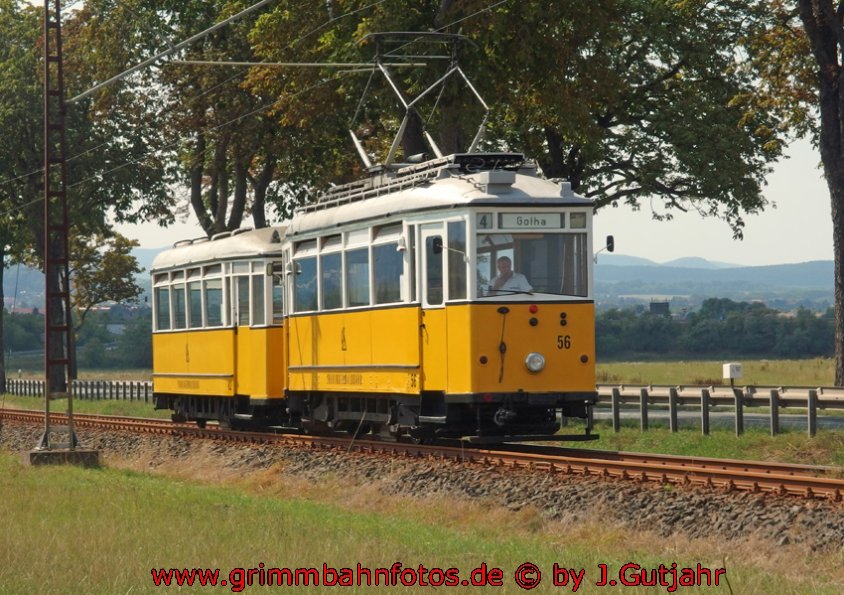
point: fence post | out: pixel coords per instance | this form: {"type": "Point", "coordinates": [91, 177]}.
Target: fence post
{"type": "Point", "coordinates": [813, 413]}
{"type": "Point", "coordinates": [672, 409]}
{"type": "Point", "coordinates": [704, 411]}
{"type": "Point", "coordinates": [738, 395]}
{"type": "Point", "coordinates": [616, 414]}
{"type": "Point", "coordinates": [775, 411]}
{"type": "Point", "coordinates": [643, 409]}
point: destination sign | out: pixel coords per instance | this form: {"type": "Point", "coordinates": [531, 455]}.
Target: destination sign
{"type": "Point", "coordinates": [530, 220]}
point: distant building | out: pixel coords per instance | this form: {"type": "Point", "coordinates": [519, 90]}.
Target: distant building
{"type": "Point", "coordinates": [660, 308]}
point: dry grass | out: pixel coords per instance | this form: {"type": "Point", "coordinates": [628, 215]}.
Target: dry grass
{"type": "Point", "coordinates": [581, 539]}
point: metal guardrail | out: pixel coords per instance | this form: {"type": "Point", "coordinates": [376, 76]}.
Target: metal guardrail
{"type": "Point", "coordinates": [88, 390]}
{"type": "Point", "coordinates": [706, 397]}
{"type": "Point", "coordinates": [616, 396]}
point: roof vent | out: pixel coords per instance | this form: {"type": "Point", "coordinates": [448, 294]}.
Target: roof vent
{"type": "Point", "coordinates": [565, 189]}
{"type": "Point", "coordinates": [496, 180]}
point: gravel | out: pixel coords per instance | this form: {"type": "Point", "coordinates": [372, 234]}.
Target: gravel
{"type": "Point", "coordinates": [666, 510]}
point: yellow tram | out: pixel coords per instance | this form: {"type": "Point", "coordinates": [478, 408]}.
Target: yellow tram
{"type": "Point", "coordinates": [450, 298]}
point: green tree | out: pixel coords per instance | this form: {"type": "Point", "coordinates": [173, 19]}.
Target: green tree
{"type": "Point", "coordinates": [134, 346]}
{"type": "Point", "coordinates": [102, 143]}
{"type": "Point", "coordinates": [228, 149]}
{"type": "Point", "coordinates": [103, 269]}
{"type": "Point", "coordinates": [628, 99]}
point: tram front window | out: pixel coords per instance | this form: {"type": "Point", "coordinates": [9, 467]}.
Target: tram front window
{"type": "Point", "coordinates": [554, 263]}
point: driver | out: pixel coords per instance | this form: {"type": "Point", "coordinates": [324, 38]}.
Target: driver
{"type": "Point", "coordinates": [507, 279]}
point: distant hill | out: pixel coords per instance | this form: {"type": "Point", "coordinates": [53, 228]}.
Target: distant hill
{"type": "Point", "coordinates": [694, 262]}
{"type": "Point", "coordinates": [623, 260]}
{"type": "Point", "coordinates": [806, 275]}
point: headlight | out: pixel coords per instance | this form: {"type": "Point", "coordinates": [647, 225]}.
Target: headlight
{"type": "Point", "coordinates": [535, 362]}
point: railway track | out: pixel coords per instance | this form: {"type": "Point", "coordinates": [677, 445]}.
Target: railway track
{"type": "Point", "coordinates": [808, 481]}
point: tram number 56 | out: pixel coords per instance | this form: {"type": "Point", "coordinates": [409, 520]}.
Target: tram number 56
{"type": "Point", "coordinates": [563, 341]}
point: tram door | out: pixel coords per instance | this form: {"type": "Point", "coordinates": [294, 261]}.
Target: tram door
{"type": "Point", "coordinates": [434, 323]}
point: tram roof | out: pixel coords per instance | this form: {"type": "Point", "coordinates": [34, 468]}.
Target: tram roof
{"type": "Point", "coordinates": [246, 243]}
{"type": "Point", "coordinates": [449, 189]}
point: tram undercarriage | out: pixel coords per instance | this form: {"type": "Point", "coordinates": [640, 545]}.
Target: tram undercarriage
{"type": "Point", "coordinates": [432, 416]}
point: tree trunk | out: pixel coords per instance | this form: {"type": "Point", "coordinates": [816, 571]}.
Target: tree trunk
{"type": "Point", "coordinates": [197, 170]}
{"type": "Point", "coordinates": [260, 185]}
{"type": "Point", "coordinates": [241, 191]}
{"type": "Point", "coordinates": [826, 37]}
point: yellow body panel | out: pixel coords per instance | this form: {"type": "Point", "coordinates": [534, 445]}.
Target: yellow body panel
{"type": "Point", "coordinates": [478, 330]}
{"type": "Point", "coordinates": [261, 367]}
{"type": "Point", "coordinates": [220, 362]}
{"type": "Point", "coordinates": [455, 338]}
{"type": "Point", "coordinates": [379, 351]}
{"type": "Point", "coordinates": [356, 351]}
{"type": "Point", "coordinates": [435, 356]}
{"type": "Point", "coordinates": [194, 362]}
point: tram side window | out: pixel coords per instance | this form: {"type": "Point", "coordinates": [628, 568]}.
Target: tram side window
{"type": "Point", "coordinates": [305, 287]}
{"type": "Point", "coordinates": [195, 299]}
{"type": "Point", "coordinates": [457, 260]}
{"type": "Point", "coordinates": [243, 301]}
{"type": "Point", "coordinates": [387, 266]}
{"type": "Point", "coordinates": [574, 263]}
{"type": "Point", "coordinates": [179, 306]}
{"type": "Point", "coordinates": [278, 299]}
{"type": "Point", "coordinates": [214, 301]}
{"type": "Point", "coordinates": [357, 277]}
{"type": "Point", "coordinates": [162, 308]}
{"type": "Point", "coordinates": [258, 316]}
{"type": "Point", "coordinates": [332, 281]}
{"type": "Point", "coordinates": [434, 271]}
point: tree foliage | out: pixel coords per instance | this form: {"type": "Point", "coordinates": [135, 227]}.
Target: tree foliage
{"type": "Point", "coordinates": [630, 100]}
{"type": "Point", "coordinates": [110, 173]}
{"type": "Point", "coordinates": [103, 269]}
{"type": "Point", "coordinates": [721, 327]}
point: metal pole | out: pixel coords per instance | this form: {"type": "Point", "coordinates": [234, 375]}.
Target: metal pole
{"type": "Point", "coordinates": [643, 409]}
{"type": "Point", "coordinates": [738, 396]}
{"type": "Point", "coordinates": [616, 414]}
{"type": "Point", "coordinates": [813, 413]}
{"type": "Point", "coordinates": [672, 409]}
{"type": "Point", "coordinates": [775, 412]}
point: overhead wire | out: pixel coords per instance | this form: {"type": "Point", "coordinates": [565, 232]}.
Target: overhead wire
{"type": "Point", "coordinates": [264, 107]}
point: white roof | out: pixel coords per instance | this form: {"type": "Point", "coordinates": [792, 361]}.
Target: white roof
{"type": "Point", "coordinates": [240, 244]}
{"type": "Point", "coordinates": [448, 190]}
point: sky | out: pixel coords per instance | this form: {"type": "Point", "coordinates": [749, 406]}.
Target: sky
{"type": "Point", "coordinates": [795, 227]}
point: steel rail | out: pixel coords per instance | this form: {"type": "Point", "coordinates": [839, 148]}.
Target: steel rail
{"type": "Point", "coordinates": [753, 476]}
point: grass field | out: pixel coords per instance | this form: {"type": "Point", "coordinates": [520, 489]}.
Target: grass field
{"type": "Point", "coordinates": [801, 372]}
{"type": "Point", "coordinates": [114, 407]}
{"type": "Point", "coordinates": [70, 530]}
